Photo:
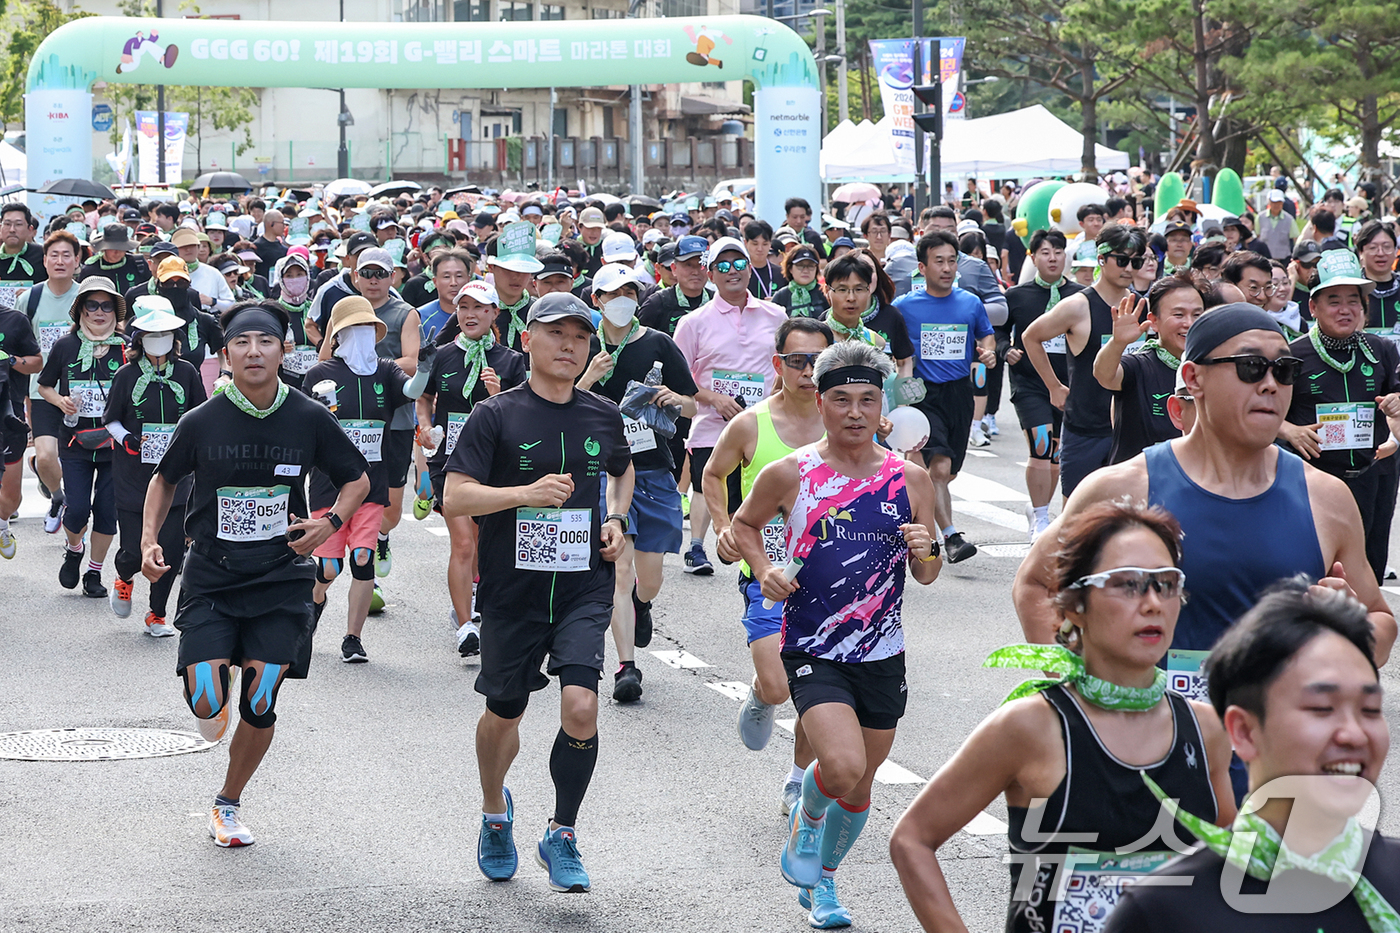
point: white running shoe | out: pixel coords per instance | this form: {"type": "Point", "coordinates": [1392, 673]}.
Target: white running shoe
{"type": "Point", "coordinates": [1030, 523]}
{"type": "Point", "coordinates": [977, 437]}
{"type": "Point", "coordinates": [989, 425]}
{"type": "Point", "coordinates": [227, 829]}
{"type": "Point", "coordinates": [7, 544]}
{"type": "Point", "coordinates": [54, 518]}
{"type": "Point", "coordinates": [468, 640]}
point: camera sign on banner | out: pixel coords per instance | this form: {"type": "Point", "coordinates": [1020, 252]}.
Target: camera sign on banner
{"type": "Point", "coordinates": [662, 50]}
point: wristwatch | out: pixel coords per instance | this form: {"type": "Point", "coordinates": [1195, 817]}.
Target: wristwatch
{"type": "Point", "coordinates": [932, 553]}
{"type": "Point", "coordinates": [621, 520]}
{"type": "Point", "coordinates": [335, 520]}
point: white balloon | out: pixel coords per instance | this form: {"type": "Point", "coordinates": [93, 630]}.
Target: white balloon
{"type": "Point", "coordinates": [910, 429]}
{"type": "Point", "coordinates": [1065, 205]}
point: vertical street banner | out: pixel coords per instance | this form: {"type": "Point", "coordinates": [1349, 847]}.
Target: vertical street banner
{"type": "Point", "coordinates": [949, 53]}
{"type": "Point", "coordinates": [148, 150]}
{"type": "Point", "coordinates": [893, 60]}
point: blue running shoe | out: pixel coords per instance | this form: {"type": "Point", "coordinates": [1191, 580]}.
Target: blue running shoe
{"type": "Point", "coordinates": [495, 847]}
{"type": "Point", "coordinates": [557, 854]}
{"type": "Point", "coordinates": [826, 913]}
{"type": "Point", "coordinates": [801, 858]}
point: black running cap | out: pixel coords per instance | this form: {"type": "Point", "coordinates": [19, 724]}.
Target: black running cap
{"type": "Point", "coordinates": [1218, 325]}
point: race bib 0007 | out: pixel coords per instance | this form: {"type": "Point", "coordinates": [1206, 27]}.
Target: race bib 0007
{"type": "Point", "coordinates": [155, 438]}
{"type": "Point", "coordinates": [557, 540]}
{"type": "Point", "coordinates": [367, 436]}
{"type": "Point", "coordinates": [943, 342]}
{"type": "Point", "coordinates": [252, 514]}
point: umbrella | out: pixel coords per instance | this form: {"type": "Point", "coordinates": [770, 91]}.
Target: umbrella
{"type": "Point", "coordinates": [641, 200]}
{"type": "Point", "coordinates": [221, 181]}
{"type": "Point", "coordinates": [344, 186]}
{"type": "Point", "coordinates": [78, 188]}
{"type": "Point", "coordinates": [856, 192]}
{"type": "Point", "coordinates": [391, 188]}
{"type": "Point", "coordinates": [602, 200]}
{"type": "Point", "coordinates": [464, 189]}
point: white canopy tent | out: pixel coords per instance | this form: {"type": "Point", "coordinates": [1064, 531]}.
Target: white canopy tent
{"type": "Point", "coordinates": [13, 166]}
{"type": "Point", "coordinates": [1021, 144]}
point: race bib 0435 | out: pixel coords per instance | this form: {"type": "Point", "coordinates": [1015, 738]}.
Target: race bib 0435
{"type": "Point", "coordinates": [943, 342]}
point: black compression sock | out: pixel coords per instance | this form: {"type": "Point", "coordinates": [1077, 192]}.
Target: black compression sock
{"type": "Point", "coordinates": [571, 766]}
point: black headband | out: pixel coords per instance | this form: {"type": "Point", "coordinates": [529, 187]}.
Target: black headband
{"type": "Point", "coordinates": [1220, 324]}
{"type": "Point", "coordinates": [850, 375]}
{"type": "Point", "coordinates": [254, 321]}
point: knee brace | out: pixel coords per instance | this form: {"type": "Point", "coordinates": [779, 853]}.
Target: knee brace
{"type": "Point", "coordinates": [327, 569]}
{"type": "Point", "coordinates": [204, 688]}
{"type": "Point", "coordinates": [508, 709]}
{"type": "Point", "coordinates": [256, 707]}
{"type": "Point", "coordinates": [1043, 445]}
{"type": "Point", "coordinates": [362, 570]}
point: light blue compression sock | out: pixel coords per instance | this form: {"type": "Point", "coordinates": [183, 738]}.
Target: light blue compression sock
{"type": "Point", "coordinates": [841, 833]}
{"type": "Point", "coordinates": [815, 800]}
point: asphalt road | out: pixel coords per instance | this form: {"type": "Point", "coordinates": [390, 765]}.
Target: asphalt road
{"type": "Point", "coordinates": [366, 809]}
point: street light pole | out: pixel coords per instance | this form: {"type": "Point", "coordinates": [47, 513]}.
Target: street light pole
{"type": "Point", "coordinates": [342, 154]}
{"type": "Point", "coordinates": [160, 116]}
{"type": "Point", "coordinates": [841, 102]}
{"type": "Point", "coordinates": [920, 185]}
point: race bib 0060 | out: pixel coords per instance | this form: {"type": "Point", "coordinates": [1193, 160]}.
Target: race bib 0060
{"type": "Point", "coordinates": [557, 540]}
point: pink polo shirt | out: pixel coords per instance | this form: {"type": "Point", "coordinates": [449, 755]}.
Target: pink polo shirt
{"type": "Point", "coordinates": [730, 350]}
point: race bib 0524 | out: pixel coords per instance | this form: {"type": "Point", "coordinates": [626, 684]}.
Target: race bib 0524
{"type": "Point", "coordinates": [252, 514]}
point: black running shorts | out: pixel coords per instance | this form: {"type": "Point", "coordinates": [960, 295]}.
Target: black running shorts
{"type": "Point", "coordinates": [876, 690]}
{"type": "Point", "coordinates": [513, 648]}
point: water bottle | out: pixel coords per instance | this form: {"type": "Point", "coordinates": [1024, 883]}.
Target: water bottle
{"type": "Point", "coordinates": [654, 377]}
{"type": "Point", "coordinates": [71, 420]}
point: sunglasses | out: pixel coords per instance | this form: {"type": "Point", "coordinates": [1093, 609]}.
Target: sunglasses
{"type": "Point", "coordinates": [1251, 368]}
{"type": "Point", "coordinates": [800, 361]}
{"type": "Point", "coordinates": [374, 272]}
{"type": "Point", "coordinates": [1122, 260]}
{"type": "Point", "coordinates": [725, 266]}
{"type": "Point", "coordinates": [1134, 582]}
{"type": "Point", "coordinates": [94, 306]}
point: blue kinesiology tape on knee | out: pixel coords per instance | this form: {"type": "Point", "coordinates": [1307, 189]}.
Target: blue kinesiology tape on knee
{"type": "Point", "coordinates": [842, 829]}
{"type": "Point", "coordinates": [1042, 441]}
{"type": "Point", "coordinates": [204, 687]}
{"type": "Point", "coordinates": [814, 800]}
{"type": "Point", "coordinates": [266, 693]}
{"type": "Point", "coordinates": [327, 568]}
{"type": "Point", "coordinates": [362, 564]}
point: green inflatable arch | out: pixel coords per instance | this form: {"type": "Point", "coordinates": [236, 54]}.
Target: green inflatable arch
{"type": "Point", "coordinates": [198, 52]}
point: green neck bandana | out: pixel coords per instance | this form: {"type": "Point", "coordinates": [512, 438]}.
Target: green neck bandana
{"type": "Point", "coordinates": [103, 263]}
{"type": "Point", "coordinates": [248, 408]}
{"type": "Point", "coordinates": [1054, 290]}
{"type": "Point", "coordinates": [1255, 847]}
{"type": "Point", "coordinates": [617, 351]}
{"type": "Point", "coordinates": [192, 265]}
{"type": "Point", "coordinates": [861, 332]}
{"type": "Point", "coordinates": [682, 300]}
{"type": "Point", "coordinates": [1070, 666]}
{"type": "Point", "coordinates": [871, 310]}
{"type": "Point", "coordinates": [1315, 335]}
{"type": "Point", "coordinates": [801, 294]}
{"type": "Point", "coordinates": [517, 322]}
{"type": "Point", "coordinates": [475, 359]}
{"type": "Point", "coordinates": [578, 280]}
{"type": "Point", "coordinates": [1163, 354]}
{"type": "Point", "coordinates": [149, 373]}
{"type": "Point", "coordinates": [87, 345]}
{"type": "Point", "coordinates": [295, 310]}
{"type": "Point", "coordinates": [18, 260]}
{"type": "Point", "coordinates": [1169, 269]}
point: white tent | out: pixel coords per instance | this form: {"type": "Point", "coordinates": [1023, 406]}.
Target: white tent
{"type": "Point", "coordinates": [13, 166]}
{"type": "Point", "coordinates": [1020, 144]}
{"type": "Point", "coordinates": [861, 152]}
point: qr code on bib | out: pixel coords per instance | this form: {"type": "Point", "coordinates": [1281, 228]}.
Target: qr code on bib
{"type": "Point", "coordinates": [238, 518]}
{"type": "Point", "coordinates": [536, 543]}
{"type": "Point", "coordinates": [935, 343]}
{"type": "Point", "coordinates": [1334, 433]}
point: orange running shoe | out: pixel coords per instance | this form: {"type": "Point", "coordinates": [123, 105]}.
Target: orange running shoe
{"type": "Point", "coordinates": [156, 626]}
{"type": "Point", "coordinates": [227, 829]}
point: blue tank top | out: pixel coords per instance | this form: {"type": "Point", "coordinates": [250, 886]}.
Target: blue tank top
{"type": "Point", "coordinates": [1234, 549]}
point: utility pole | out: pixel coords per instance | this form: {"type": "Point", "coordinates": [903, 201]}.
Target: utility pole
{"type": "Point", "coordinates": [920, 185]}
{"type": "Point", "coordinates": [160, 116]}
{"type": "Point", "coordinates": [634, 133]}
{"type": "Point", "coordinates": [821, 63]}
{"type": "Point", "coordinates": [549, 171]}
{"type": "Point", "coordinates": [841, 102]}
{"type": "Point", "coordinates": [342, 154]}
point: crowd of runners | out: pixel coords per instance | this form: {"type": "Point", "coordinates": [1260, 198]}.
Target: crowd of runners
{"type": "Point", "coordinates": [250, 394]}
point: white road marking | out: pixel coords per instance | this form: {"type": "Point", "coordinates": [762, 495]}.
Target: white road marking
{"type": "Point", "coordinates": [1017, 551]}
{"type": "Point", "coordinates": [976, 489]}
{"type": "Point", "coordinates": [788, 724]}
{"type": "Point", "coordinates": [981, 453]}
{"type": "Point", "coordinates": [440, 532]}
{"type": "Point", "coordinates": [891, 773]}
{"type": "Point", "coordinates": [984, 824]}
{"type": "Point", "coordinates": [730, 688]}
{"type": "Point", "coordinates": [681, 660]}
{"type": "Point", "coordinates": [992, 514]}
{"type": "Point", "coordinates": [1392, 590]}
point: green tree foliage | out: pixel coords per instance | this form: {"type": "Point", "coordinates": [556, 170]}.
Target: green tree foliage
{"type": "Point", "coordinates": [28, 23]}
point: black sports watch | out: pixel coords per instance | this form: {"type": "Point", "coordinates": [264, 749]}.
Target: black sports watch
{"type": "Point", "coordinates": [335, 520]}
{"type": "Point", "coordinates": [621, 519]}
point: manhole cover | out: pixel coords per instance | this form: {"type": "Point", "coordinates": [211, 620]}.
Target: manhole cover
{"type": "Point", "coordinates": [98, 744]}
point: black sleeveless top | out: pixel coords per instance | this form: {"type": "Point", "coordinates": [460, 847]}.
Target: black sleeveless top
{"type": "Point", "coordinates": [1087, 412]}
{"type": "Point", "coordinates": [1103, 795]}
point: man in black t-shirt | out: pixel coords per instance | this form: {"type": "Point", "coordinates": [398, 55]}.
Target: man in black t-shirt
{"type": "Point", "coordinates": [1295, 683]}
{"type": "Point", "coordinates": [628, 353]}
{"type": "Point", "coordinates": [666, 306]}
{"type": "Point", "coordinates": [1144, 377]}
{"type": "Point", "coordinates": [530, 464]}
{"type": "Point", "coordinates": [245, 593]}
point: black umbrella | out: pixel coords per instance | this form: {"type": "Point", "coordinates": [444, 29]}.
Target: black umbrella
{"type": "Point", "coordinates": [221, 181]}
{"type": "Point", "coordinates": [641, 200]}
{"type": "Point", "coordinates": [391, 188]}
{"type": "Point", "coordinates": [464, 189]}
{"type": "Point", "coordinates": [78, 188]}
